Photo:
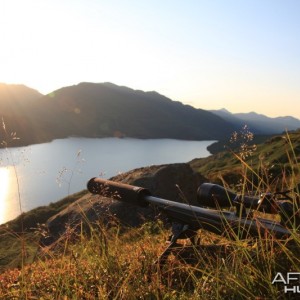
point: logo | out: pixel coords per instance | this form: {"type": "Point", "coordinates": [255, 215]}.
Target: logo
{"type": "Point", "coordinates": [291, 282]}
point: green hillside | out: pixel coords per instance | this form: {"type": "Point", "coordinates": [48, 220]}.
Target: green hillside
{"type": "Point", "coordinates": [273, 162]}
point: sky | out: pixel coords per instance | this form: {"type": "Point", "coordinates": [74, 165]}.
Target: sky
{"type": "Point", "coordinates": [242, 55]}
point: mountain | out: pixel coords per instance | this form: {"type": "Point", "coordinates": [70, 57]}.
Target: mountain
{"type": "Point", "coordinates": [258, 123]}
{"type": "Point", "coordinates": [105, 109]}
{"type": "Point", "coordinates": [17, 92]}
{"type": "Point", "coordinates": [17, 111]}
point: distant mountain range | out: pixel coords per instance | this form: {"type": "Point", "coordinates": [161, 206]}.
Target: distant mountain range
{"type": "Point", "coordinates": [105, 110]}
{"type": "Point", "coordinates": [259, 124]}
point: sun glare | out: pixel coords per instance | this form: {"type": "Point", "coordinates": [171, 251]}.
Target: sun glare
{"type": "Point", "coordinates": [4, 185]}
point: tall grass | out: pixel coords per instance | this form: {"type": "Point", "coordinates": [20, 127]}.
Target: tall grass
{"type": "Point", "coordinates": [108, 263]}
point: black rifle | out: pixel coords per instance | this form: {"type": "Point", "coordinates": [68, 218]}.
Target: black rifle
{"type": "Point", "coordinates": [210, 214]}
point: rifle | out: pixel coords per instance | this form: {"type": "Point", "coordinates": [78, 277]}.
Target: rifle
{"type": "Point", "coordinates": [210, 214]}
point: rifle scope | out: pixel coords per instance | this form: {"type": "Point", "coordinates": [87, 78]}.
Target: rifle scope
{"type": "Point", "coordinates": [215, 196]}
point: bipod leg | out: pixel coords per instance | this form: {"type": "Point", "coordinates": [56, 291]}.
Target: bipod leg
{"type": "Point", "coordinates": [178, 230]}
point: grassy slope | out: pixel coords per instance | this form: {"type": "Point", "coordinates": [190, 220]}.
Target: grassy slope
{"type": "Point", "coordinates": [110, 265]}
{"type": "Point", "coordinates": [274, 162]}
{"type": "Point", "coordinates": [32, 224]}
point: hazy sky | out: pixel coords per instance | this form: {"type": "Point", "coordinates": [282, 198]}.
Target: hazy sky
{"type": "Point", "coordinates": [243, 55]}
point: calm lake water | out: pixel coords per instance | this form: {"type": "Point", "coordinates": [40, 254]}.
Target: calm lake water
{"type": "Point", "coordinates": [48, 172]}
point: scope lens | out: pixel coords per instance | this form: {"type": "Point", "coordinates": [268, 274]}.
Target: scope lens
{"type": "Point", "coordinates": [214, 196]}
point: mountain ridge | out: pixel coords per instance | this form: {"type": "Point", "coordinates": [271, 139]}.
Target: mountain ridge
{"type": "Point", "coordinates": [109, 110]}
{"type": "Point", "coordinates": [105, 109]}
{"type": "Point", "coordinates": [259, 123]}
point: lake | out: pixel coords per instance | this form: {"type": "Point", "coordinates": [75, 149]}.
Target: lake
{"type": "Point", "coordinates": [44, 173]}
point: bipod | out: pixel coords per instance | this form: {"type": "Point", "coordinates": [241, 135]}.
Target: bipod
{"type": "Point", "coordinates": [179, 231]}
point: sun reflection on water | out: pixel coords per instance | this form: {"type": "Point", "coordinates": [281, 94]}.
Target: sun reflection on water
{"type": "Point", "coordinates": [4, 186]}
